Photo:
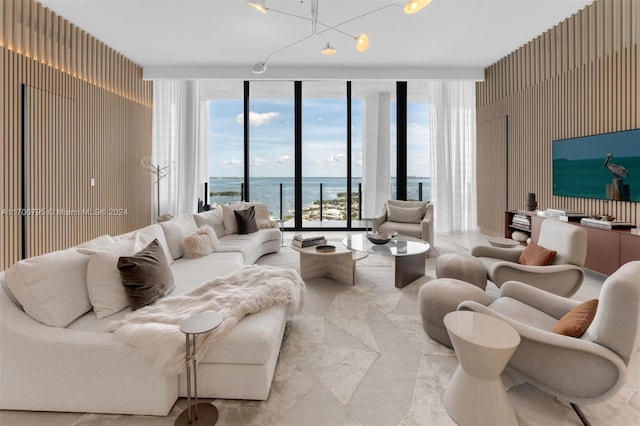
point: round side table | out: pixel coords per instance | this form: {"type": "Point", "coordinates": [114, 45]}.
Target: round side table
{"type": "Point", "coordinates": [203, 414]}
{"type": "Point", "coordinates": [483, 345]}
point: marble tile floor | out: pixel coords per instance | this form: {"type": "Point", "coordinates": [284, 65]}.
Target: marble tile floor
{"type": "Point", "coordinates": [358, 356]}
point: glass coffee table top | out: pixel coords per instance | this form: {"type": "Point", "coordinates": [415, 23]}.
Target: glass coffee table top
{"type": "Point", "coordinates": [400, 245]}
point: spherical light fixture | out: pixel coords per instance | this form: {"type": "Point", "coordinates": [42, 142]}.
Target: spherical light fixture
{"type": "Point", "coordinates": [328, 50]}
{"type": "Point", "coordinates": [362, 43]}
{"type": "Point", "coordinates": [259, 67]}
{"type": "Point", "coordinates": [414, 6]}
{"type": "Point", "coordinates": [258, 5]}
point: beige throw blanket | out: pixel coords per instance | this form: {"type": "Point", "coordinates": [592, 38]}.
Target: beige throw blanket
{"type": "Point", "coordinates": [155, 330]}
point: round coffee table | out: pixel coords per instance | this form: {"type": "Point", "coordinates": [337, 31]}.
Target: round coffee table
{"type": "Point", "coordinates": [408, 252]}
{"type": "Point", "coordinates": [483, 344]}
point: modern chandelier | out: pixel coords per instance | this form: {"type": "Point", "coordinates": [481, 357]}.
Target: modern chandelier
{"type": "Point", "coordinates": [319, 28]}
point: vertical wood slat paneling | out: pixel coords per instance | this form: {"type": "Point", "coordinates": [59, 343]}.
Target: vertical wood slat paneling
{"type": "Point", "coordinates": [35, 31]}
{"type": "Point", "coordinates": [596, 93]}
{"type": "Point", "coordinates": [88, 115]}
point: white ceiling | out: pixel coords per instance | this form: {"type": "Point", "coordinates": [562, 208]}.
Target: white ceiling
{"type": "Point", "coordinates": [224, 38]}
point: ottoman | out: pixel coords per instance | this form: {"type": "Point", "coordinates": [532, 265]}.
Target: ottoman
{"type": "Point", "coordinates": [465, 268]}
{"type": "Point", "coordinates": [439, 297]}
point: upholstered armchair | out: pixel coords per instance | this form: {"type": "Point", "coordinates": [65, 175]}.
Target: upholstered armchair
{"type": "Point", "coordinates": [563, 277]}
{"type": "Point", "coordinates": [580, 370]}
{"type": "Point", "coordinates": [413, 218]}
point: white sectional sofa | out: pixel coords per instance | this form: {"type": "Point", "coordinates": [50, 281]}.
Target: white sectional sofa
{"type": "Point", "coordinates": [79, 368]}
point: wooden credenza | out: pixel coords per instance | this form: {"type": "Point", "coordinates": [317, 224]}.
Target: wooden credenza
{"type": "Point", "coordinates": [607, 249]}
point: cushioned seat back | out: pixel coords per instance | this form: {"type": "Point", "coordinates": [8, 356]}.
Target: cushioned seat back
{"type": "Point", "coordinates": [616, 324]}
{"type": "Point", "coordinates": [569, 241]}
{"type": "Point", "coordinates": [402, 203]}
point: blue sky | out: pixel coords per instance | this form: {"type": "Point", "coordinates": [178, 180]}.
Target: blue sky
{"type": "Point", "coordinates": [271, 136]}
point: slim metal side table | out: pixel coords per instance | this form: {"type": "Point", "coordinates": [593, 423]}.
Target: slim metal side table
{"type": "Point", "coordinates": [280, 223]}
{"type": "Point", "coordinates": [203, 414]}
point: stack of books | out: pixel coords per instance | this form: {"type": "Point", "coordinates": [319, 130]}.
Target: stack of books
{"type": "Point", "coordinates": [564, 215]}
{"type": "Point", "coordinates": [605, 224]}
{"type": "Point", "coordinates": [302, 241]}
{"type": "Point", "coordinates": [521, 221]}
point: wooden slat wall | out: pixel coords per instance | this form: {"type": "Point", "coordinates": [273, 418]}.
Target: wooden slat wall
{"type": "Point", "coordinates": [85, 118]}
{"type": "Point", "coordinates": [491, 186]}
{"type": "Point", "coordinates": [580, 78]}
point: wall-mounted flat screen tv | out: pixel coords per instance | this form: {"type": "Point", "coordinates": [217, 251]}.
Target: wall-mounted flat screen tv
{"type": "Point", "coordinates": [605, 166]}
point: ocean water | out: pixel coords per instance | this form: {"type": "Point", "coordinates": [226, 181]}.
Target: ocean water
{"type": "Point", "coordinates": [267, 190]}
{"type": "Point", "coordinates": [588, 179]}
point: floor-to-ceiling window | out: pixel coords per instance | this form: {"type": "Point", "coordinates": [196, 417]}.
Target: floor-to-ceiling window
{"type": "Point", "coordinates": [324, 153]}
{"type": "Point", "coordinates": [226, 141]}
{"type": "Point", "coordinates": [418, 145]}
{"type": "Point", "coordinates": [338, 129]}
{"type": "Point", "coordinates": [271, 147]}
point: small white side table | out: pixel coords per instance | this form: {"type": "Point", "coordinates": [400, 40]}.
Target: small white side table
{"type": "Point", "coordinates": [204, 414]}
{"type": "Point", "coordinates": [483, 345]}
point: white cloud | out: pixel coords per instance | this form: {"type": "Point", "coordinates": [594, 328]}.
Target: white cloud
{"type": "Point", "coordinates": [231, 162]}
{"type": "Point", "coordinates": [285, 159]}
{"type": "Point", "coordinates": [259, 162]}
{"type": "Point", "coordinates": [257, 119]}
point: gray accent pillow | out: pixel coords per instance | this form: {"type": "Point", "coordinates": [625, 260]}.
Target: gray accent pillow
{"type": "Point", "coordinates": [146, 275]}
{"type": "Point", "coordinates": [246, 220]}
{"type": "Point", "coordinates": [404, 214]}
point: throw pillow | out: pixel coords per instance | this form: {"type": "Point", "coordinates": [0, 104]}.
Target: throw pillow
{"type": "Point", "coordinates": [52, 288]}
{"type": "Point", "coordinates": [263, 216]}
{"type": "Point", "coordinates": [175, 230]}
{"type": "Point", "coordinates": [200, 243]}
{"type": "Point", "coordinates": [146, 276]}
{"type": "Point", "coordinates": [575, 322]}
{"type": "Point", "coordinates": [536, 255]}
{"type": "Point", "coordinates": [246, 220]}
{"type": "Point", "coordinates": [404, 214]}
{"type": "Point", "coordinates": [230, 223]}
{"type": "Point", "coordinates": [101, 241]}
{"type": "Point", "coordinates": [104, 284]}
{"type": "Point", "coordinates": [214, 218]}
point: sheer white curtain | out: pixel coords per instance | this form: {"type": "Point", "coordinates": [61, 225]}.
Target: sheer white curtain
{"type": "Point", "coordinates": [452, 126]}
{"type": "Point", "coordinates": [179, 140]}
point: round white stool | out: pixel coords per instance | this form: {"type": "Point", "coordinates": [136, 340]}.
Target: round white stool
{"type": "Point", "coordinates": [204, 414]}
{"type": "Point", "coordinates": [483, 345]}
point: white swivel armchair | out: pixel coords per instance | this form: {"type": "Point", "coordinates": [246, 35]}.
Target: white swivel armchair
{"type": "Point", "coordinates": [563, 277]}
{"type": "Point", "coordinates": [581, 370]}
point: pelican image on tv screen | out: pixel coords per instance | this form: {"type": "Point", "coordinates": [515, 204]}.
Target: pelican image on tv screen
{"type": "Point", "coordinates": [605, 166]}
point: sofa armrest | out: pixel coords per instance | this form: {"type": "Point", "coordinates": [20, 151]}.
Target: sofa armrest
{"type": "Point", "coordinates": [427, 225]}
{"type": "Point", "coordinates": [508, 254]}
{"type": "Point", "coordinates": [551, 304]}
{"type": "Point", "coordinates": [379, 219]}
{"type": "Point", "coordinates": [563, 280]}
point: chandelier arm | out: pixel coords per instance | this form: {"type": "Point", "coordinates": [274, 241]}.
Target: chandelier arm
{"type": "Point", "coordinates": [288, 46]}
{"type": "Point", "coordinates": [334, 27]}
{"type": "Point", "coordinates": [290, 14]}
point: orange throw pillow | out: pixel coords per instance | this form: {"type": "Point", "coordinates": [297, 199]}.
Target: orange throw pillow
{"type": "Point", "coordinates": [536, 255]}
{"type": "Point", "coordinates": [575, 322]}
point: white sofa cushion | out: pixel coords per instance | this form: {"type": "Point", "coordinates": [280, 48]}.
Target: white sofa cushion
{"type": "Point", "coordinates": [175, 230]}
{"type": "Point", "coordinates": [101, 241]}
{"type": "Point", "coordinates": [229, 217]}
{"type": "Point", "coordinates": [51, 288]}
{"type": "Point", "coordinates": [104, 284]}
{"type": "Point", "coordinates": [156, 233]}
{"type": "Point", "coordinates": [214, 218]}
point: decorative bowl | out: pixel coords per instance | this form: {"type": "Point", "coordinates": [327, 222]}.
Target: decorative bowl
{"type": "Point", "coordinates": [380, 237]}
